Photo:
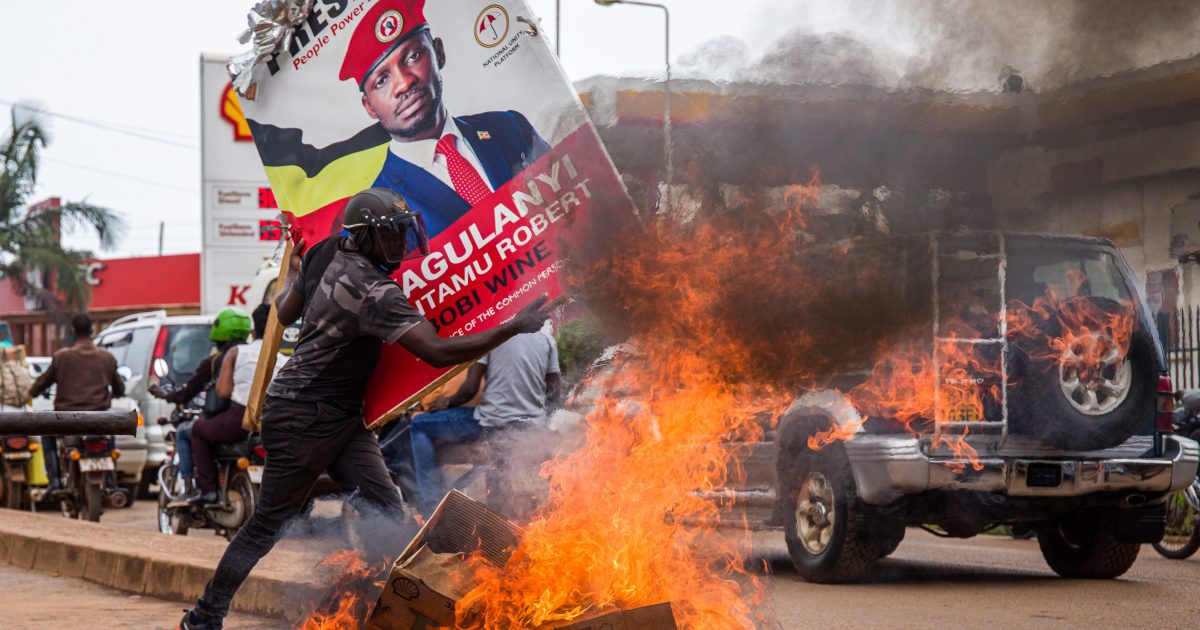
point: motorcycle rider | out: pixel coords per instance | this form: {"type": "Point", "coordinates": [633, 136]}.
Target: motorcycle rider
{"type": "Point", "coordinates": [233, 383]}
{"type": "Point", "coordinates": [87, 380]}
{"type": "Point", "coordinates": [312, 417]}
{"type": "Point", "coordinates": [231, 327]}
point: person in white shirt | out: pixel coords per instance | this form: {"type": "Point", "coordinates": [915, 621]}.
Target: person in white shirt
{"type": "Point", "coordinates": [234, 381]}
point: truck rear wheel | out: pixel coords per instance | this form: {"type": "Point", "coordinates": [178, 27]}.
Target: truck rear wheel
{"type": "Point", "coordinates": [1085, 546]}
{"type": "Point", "coordinates": [826, 536]}
{"type": "Point", "coordinates": [1078, 404]}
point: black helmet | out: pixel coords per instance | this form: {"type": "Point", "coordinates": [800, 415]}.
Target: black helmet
{"type": "Point", "coordinates": [385, 215]}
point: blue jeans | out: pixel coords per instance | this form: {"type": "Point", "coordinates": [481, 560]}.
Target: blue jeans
{"type": "Point", "coordinates": [183, 447]}
{"type": "Point", "coordinates": [456, 424]}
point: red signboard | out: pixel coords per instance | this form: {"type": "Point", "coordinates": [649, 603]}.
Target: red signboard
{"type": "Point", "coordinates": [148, 281]}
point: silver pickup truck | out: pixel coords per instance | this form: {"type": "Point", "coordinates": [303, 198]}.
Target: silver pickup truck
{"type": "Point", "coordinates": [1083, 457]}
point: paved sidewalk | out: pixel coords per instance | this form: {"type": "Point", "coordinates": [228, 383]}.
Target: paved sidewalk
{"type": "Point", "coordinates": [166, 567]}
{"type": "Point", "coordinates": [35, 601]}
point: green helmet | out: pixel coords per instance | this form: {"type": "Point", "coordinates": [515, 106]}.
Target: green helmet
{"type": "Point", "coordinates": [231, 324]}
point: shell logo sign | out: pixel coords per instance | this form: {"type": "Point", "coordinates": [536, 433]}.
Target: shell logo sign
{"type": "Point", "coordinates": [231, 111]}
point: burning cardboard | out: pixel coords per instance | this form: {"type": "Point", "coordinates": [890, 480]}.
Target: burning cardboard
{"type": "Point", "coordinates": [425, 585]}
{"type": "Point", "coordinates": [420, 591]}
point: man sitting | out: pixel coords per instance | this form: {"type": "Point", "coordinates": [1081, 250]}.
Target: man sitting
{"type": "Point", "coordinates": [234, 381]}
{"type": "Point", "coordinates": [522, 379]}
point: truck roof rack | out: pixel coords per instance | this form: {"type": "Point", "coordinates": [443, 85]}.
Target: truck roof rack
{"type": "Point", "coordinates": [138, 317]}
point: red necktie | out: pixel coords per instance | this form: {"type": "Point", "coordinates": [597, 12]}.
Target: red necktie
{"type": "Point", "coordinates": [467, 182]}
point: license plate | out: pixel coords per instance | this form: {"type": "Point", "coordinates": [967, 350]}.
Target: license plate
{"type": "Point", "coordinates": [256, 473]}
{"type": "Point", "coordinates": [93, 465]}
{"type": "Point", "coordinates": [18, 456]}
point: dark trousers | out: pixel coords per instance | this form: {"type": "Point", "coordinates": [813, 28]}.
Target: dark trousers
{"type": "Point", "coordinates": [448, 426]}
{"type": "Point", "coordinates": [302, 440]}
{"type": "Point", "coordinates": [223, 428]}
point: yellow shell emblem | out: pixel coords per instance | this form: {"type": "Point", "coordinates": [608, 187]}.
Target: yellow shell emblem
{"type": "Point", "coordinates": [231, 111]}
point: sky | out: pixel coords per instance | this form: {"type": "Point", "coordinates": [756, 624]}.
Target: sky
{"type": "Point", "coordinates": [134, 65]}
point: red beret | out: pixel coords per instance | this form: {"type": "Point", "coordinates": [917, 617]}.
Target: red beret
{"type": "Point", "coordinates": [387, 25]}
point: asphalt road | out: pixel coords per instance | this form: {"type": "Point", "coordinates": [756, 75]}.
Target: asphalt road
{"type": "Point", "coordinates": [984, 581]}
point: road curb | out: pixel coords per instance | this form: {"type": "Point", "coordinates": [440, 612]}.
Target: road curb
{"type": "Point", "coordinates": [164, 567]}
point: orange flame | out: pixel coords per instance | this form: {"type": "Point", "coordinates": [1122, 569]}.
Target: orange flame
{"type": "Point", "coordinates": [626, 523]}
{"type": "Point", "coordinates": [1082, 336]}
{"type": "Point", "coordinates": [348, 600]}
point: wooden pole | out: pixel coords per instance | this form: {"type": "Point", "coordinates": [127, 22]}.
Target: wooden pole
{"type": "Point", "coordinates": [272, 337]}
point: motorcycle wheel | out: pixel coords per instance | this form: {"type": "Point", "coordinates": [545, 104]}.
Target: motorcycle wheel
{"type": "Point", "coordinates": [69, 502]}
{"type": "Point", "coordinates": [1182, 538]}
{"type": "Point", "coordinates": [14, 494]}
{"type": "Point", "coordinates": [170, 522]}
{"type": "Point", "coordinates": [93, 502]}
{"type": "Point", "coordinates": [241, 489]}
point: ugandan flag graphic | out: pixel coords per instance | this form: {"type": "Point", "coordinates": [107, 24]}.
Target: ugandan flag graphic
{"type": "Point", "coordinates": [313, 184]}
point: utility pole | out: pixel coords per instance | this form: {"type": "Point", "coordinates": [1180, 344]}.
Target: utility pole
{"type": "Point", "coordinates": [162, 226]}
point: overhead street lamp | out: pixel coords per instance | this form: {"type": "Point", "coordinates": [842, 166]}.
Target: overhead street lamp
{"type": "Point", "coordinates": [667, 89]}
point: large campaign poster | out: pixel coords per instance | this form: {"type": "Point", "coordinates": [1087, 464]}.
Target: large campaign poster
{"type": "Point", "coordinates": [460, 107]}
{"type": "Point", "coordinates": [239, 217]}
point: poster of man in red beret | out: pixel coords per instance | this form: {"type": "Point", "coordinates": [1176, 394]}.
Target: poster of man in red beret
{"type": "Point", "coordinates": [461, 108]}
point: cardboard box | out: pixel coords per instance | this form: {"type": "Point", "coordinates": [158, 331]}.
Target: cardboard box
{"type": "Point", "coordinates": [654, 617]}
{"type": "Point", "coordinates": [420, 594]}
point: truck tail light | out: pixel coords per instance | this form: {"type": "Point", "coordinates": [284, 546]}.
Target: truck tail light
{"type": "Point", "coordinates": [1164, 419]}
{"type": "Point", "coordinates": [16, 443]}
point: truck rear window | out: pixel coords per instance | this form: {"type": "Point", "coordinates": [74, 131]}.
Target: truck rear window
{"type": "Point", "coordinates": [1068, 272]}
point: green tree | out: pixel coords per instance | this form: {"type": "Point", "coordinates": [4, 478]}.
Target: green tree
{"type": "Point", "coordinates": [30, 244]}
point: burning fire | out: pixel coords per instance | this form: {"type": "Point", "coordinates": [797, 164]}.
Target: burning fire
{"type": "Point", "coordinates": [1084, 338]}
{"type": "Point", "coordinates": [623, 525]}
{"type": "Point", "coordinates": [730, 321]}
{"type": "Point", "coordinates": [350, 598]}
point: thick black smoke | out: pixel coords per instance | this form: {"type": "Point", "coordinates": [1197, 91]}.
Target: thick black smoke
{"type": "Point", "coordinates": [957, 45]}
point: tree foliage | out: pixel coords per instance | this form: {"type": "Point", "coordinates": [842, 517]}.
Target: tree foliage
{"type": "Point", "coordinates": [31, 251]}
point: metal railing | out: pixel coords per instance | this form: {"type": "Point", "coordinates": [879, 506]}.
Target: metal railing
{"type": "Point", "coordinates": [1181, 337]}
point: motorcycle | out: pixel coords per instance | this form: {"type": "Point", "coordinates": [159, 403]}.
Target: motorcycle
{"type": "Point", "coordinates": [239, 469]}
{"type": "Point", "coordinates": [1182, 537]}
{"type": "Point", "coordinates": [17, 452]}
{"type": "Point", "coordinates": [90, 469]}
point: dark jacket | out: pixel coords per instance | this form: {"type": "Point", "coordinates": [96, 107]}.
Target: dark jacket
{"type": "Point", "coordinates": [86, 377]}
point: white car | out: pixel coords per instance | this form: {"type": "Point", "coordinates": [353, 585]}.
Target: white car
{"type": "Point", "coordinates": [178, 344]}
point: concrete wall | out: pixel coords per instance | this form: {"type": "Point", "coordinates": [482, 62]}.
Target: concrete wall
{"type": "Point", "coordinates": [1122, 186]}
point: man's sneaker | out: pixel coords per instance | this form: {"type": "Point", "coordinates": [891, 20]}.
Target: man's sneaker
{"type": "Point", "coordinates": [191, 621]}
{"type": "Point", "coordinates": [209, 498]}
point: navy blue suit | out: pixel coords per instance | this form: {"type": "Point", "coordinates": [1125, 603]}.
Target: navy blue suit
{"type": "Point", "coordinates": [511, 144]}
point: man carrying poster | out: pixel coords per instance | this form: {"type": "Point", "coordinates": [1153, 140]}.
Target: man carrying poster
{"type": "Point", "coordinates": [312, 419]}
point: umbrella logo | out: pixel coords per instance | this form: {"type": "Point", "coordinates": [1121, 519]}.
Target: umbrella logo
{"type": "Point", "coordinates": [491, 27]}
{"type": "Point", "coordinates": [389, 26]}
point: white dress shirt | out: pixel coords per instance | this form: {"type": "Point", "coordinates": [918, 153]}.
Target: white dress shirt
{"type": "Point", "coordinates": [423, 153]}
